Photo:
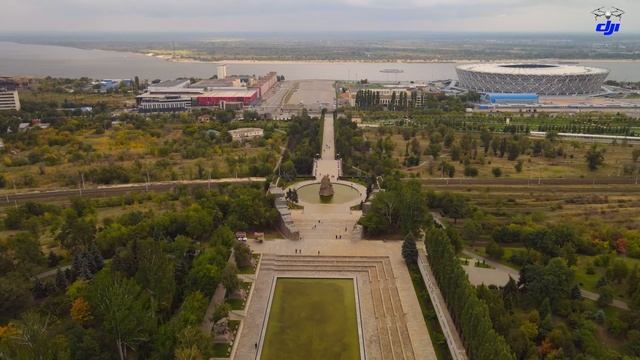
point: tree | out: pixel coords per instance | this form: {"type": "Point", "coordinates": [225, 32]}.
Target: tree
{"type": "Point", "coordinates": [15, 296]}
{"type": "Point", "coordinates": [471, 229]}
{"type": "Point", "coordinates": [469, 312]}
{"type": "Point", "coordinates": [96, 261]}
{"type": "Point", "coordinates": [61, 281]}
{"type": "Point", "coordinates": [205, 272]}
{"type": "Point", "coordinates": [434, 150]}
{"type": "Point", "coordinates": [595, 157]}
{"type": "Point", "coordinates": [409, 249]}
{"type": "Point", "coordinates": [633, 342]}
{"type": "Point", "coordinates": [518, 166]}
{"type": "Point", "coordinates": [242, 254]}
{"type": "Point", "coordinates": [455, 206]}
{"type": "Point", "coordinates": [496, 171]}
{"type": "Point", "coordinates": [80, 311]}
{"type": "Point", "coordinates": [513, 149]}
{"type": "Point", "coordinates": [33, 340]}
{"type": "Point", "coordinates": [229, 278]}
{"type": "Point", "coordinates": [156, 275]}
{"type": "Point", "coordinates": [470, 171]}
{"type": "Point", "coordinates": [633, 280]}
{"type": "Point", "coordinates": [456, 152]}
{"type": "Point", "coordinates": [455, 238]}
{"type": "Point", "coordinates": [618, 271]}
{"type": "Point", "coordinates": [122, 310]}
{"type": "Point", "coordinates": [494, 250]}
{"type": "Point", "coordinates": [25, 251]}
{"type": "Point", "coordinates": [76, 232]}
{"type": "Point", "coordinates": [486, 137]}
{"type": "Point", "coordinates": [555, 281]}
{"type": "Point", "coordinates": [606, 296]}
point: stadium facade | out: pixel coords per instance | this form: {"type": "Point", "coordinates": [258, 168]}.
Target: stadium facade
{"type": "Point", "coordinates": [541, 79]}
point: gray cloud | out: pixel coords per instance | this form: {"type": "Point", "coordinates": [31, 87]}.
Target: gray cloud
{"type": "Point", "coordinates": [306, 15]}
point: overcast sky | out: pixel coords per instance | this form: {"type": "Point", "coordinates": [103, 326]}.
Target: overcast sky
{"type": "Point", "coordinates": [309, 15]}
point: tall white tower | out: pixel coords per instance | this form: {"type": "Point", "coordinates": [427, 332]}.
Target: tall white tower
{"type": "Point", "coordinates": [222, 71]}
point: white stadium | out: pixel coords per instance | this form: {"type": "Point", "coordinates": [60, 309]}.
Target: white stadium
{"type": "Point", "coordinates": [542, 79]}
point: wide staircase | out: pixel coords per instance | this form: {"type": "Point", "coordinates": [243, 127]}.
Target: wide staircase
{"type": "Point", "coordinates": [393, 334]}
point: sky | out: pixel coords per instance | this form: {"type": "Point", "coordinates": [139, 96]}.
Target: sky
{"type": "Point", "coordinates": [309, 15]}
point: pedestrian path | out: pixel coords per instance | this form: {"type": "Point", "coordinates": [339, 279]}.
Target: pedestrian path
{"type": "Point", "coordinates": [328, 165]}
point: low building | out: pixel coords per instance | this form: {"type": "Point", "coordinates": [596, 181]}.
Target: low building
{"type": "Point", "coordinates": [9, 100]}
{"type": "Point", "coordinates": [415, 93]}
{"type": "Point", "coordinates": [232, 95]}
{"type": "Point", "coordinates": [511, 98]}
{"type": "Point", "coordinates": [243, 134]}
{"type": "Point", "coordinates": [154, 103]}
{"type": "Point", "coordinates": [265, 83]}
{"type": "Point", "coordinates": [181, 95]}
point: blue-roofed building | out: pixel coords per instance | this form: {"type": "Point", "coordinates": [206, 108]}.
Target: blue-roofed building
{"type": "Point", "coordinates": [511, 98]}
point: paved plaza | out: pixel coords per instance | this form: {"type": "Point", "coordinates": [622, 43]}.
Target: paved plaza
{"type": "Point", "coordinates": [330, 245]}
{"type": "Point", "coordinates": [314, 95]}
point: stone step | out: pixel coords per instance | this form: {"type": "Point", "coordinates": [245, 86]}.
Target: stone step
{"type": "Point", "coordinates": [318, 261]}
{"type": "Point", "coordinates": [390, 320]}
{"type": "Point", "coordinates": [311, 269]}
{"type": "Point", "coordinates": [332, 257]}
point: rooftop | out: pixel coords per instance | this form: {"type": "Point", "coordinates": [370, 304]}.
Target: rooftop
{"type": "Point", "coordinates": [171, 83]}
{"type": "Point", "coordinates": [232, 92]}
{"type": "Point", "coordinates": [531, 69]}
{"type": "Point", "coordinates": [213, 83]}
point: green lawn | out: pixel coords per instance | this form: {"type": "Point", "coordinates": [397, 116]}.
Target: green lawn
{"type": "Point", "coordinates": [312, 319]}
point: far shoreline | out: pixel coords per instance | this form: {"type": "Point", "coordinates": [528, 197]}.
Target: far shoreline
{"type": "Point", "coordinates": [391, 61]}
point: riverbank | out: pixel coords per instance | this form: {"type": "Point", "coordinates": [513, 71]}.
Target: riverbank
{"type": "Point", "coordinates": [363, 61]}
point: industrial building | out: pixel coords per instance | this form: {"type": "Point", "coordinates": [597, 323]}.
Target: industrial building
{"type": "Point", "coordinates": [230, 92]}
{"type": "Point", "coordinates": [265, 83]}
{"type": "Point", "coordinates": [9, 100]}
{"type": "Point", "coordinates": [542, 79]}
{"type": "Point", "coordinates": [219, 97]}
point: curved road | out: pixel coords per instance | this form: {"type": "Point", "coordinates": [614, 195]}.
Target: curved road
{"type": "Point", "coordinates": [515, 274]}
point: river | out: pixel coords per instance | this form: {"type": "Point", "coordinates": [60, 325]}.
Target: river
{"type": "Point", "coordinates": [45, 60]}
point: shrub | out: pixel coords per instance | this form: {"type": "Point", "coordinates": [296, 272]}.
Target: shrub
{"type": "Point", "coordinates": [470, 171]}
{"type": "Point", "coordinates": [494, 250]}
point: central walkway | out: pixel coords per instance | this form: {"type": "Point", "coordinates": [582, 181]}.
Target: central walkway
{"type": "Point", "coordinates": [328, 165]}
{"type": "Point", "coordinates": [330, 245]}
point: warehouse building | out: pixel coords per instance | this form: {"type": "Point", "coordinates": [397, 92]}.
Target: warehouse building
{"type": "Point", "coordinates": [232, 92]}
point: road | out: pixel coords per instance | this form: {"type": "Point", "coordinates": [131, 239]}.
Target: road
{"type": "Point", "coordinates": [531, 182]}
{"type": "Point", "coordinates": [108, 190]}
{"type": "Point", "coordinates": [273, 101]}
{"type": "Point", "coordinates": [516, 275]}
